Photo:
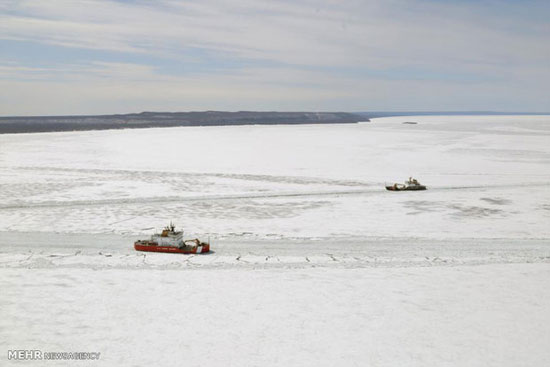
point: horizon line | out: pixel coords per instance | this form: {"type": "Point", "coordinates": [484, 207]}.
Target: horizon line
{"type": "Point", "coordinates": [384, 112]}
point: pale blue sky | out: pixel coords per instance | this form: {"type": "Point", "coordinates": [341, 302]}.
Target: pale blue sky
{"type": "Point", "coordinates": [92, 57]}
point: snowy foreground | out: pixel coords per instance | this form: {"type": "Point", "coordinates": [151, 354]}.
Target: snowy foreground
{"type": "Point", "coordinates": [314, 262]}
{"type": "Point", "coordinates": [489, 315]}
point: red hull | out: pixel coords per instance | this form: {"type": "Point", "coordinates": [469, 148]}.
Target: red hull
{"type": "Point", "coordinates": [171, 249]}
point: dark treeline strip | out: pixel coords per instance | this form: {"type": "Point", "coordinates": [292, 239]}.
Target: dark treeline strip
{"type": "Point", "coordinates": [167, 119]}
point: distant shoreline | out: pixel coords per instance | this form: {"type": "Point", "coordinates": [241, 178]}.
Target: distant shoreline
{"type": "Point", "coordinates": [34, 124]}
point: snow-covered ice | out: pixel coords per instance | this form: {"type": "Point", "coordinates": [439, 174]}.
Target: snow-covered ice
{"type": "Point", "coordinates": [487, 176]}
{"type": "Point", "coordinates": [314, 262]}
{"type": "Point", "coordinates": [489, 315]}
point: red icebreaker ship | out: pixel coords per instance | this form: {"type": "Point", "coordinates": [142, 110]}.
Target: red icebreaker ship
{"type": "Point", "coordinates": [171, 241]}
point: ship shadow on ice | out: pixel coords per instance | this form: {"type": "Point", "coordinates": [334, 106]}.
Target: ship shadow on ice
{"type": "Point", "coordinates": [211, 252]}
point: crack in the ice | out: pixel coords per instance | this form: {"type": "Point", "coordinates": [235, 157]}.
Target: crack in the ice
{"type": "Point", "coordinates": [28, 258]}
{"type": "Point", "coordinates": [189, 258]}
{"type": "Point", "coordinates": [238, 258]}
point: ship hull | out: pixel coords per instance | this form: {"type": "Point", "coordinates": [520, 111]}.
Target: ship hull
{"type": "Point", "coordinates": [152, 247]}
{"type": "Point", "coordinates": [407, 188]}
